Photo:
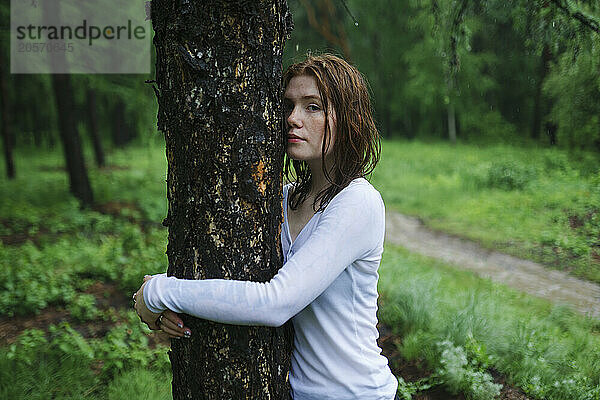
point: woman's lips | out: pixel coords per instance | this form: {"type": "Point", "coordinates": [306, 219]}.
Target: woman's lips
{"type": "Point", "coordinates": [294, 139]}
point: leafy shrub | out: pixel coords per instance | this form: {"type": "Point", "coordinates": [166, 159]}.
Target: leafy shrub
{"type": "Point", "coordinates": [509, 175]}
{"type": "Point", "coordinates": [460, 376]}
{"type": "Point", "coordinates": [83, 307]}
{"type": "Point", "coordinates": [32, 278]}
{"type": "Point", "coordinates": [62, 364]}
{"type": "Point", "coordinates": [555, 160]}
{"type": "Point", "coordinates": [407, 389]}
{"type": "Point", "coordinates": [124, 347]}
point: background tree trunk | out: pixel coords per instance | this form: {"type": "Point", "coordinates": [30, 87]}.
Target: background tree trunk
{"type": "Point", "coordinates": [92, 119]}
{"type": "Point", "coordinates": [538, 106]}
{"type": "Point", "coordinates": [69, 135]}
{"type": "Point", "coordinates": [218, 73]}
{"type": "Point", "coordinates": [451, 123]}
{"type": "Point", "coordinates": [120, 131]}
{"type": "Point", "coordinates": [7, 139]}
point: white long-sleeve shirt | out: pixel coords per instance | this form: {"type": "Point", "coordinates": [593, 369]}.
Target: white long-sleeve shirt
{"type": "Point", "coordinates": [327, 285]}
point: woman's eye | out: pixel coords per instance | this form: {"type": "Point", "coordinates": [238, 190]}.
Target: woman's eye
{"type": "Point", "coordinates": [313, 107]}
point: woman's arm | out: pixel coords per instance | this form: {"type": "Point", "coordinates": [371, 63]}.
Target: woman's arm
{"type": "Point", "coordinates": [350, 227]}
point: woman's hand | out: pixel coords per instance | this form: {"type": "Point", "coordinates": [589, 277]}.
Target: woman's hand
{"type": "Point", "coordinates": [167, 321]}
{"type": "Point", "coordinates": [146, 316]}
{"type": "Point", "coordinates": [171, 324]}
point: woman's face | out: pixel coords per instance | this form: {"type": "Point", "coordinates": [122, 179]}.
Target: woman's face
{"type": "Point", "coordinates": [305, 120]}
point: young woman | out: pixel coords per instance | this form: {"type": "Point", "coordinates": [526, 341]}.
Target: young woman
{"type": "Point", "coordinates": [332, 239]}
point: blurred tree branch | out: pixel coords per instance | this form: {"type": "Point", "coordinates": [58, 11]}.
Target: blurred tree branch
{"type": "Point", "coordinates": [327, 10]}
{"type": "Point", "coordinates": [585, 20]}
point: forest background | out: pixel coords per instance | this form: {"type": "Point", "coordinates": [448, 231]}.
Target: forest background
{"type": "Point", "coordinates": [490, 115]}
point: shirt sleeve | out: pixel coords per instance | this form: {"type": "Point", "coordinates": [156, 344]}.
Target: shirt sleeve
{"type": "Point", "coordinates": [349, 229]}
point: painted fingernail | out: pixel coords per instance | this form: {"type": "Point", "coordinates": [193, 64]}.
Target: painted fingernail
{"type": "Point", "coordinates": [187, 333]}
{"type": "Point", "coordinates": [179, 324]}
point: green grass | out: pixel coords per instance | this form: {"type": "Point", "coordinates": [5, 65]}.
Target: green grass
{"type": "Point", "coordinates": [61, 364]}
{"type": "Point", "coordinates": [539, 204]}
{"type": "Point", "coordinates": [443, 316]}
{"type": "Point", "coordinates": [548, 351]}
{"type": "Point", "coordinates": [69, 248]}
{"type": "Point", "coordinates": [61, 250]}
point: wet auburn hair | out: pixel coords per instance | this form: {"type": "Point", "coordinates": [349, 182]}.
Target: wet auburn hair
{"type": "Point", "coordinates": [356, 147]}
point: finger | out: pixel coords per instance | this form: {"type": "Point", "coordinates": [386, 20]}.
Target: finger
{"type": "Point", "coordinates": [147, 277]}
{"type": "Point", "coordinates": [170, 331]}
{"type": "Point", "coordinates": [169, 324]}
{"type": "Point", "coordinates": [173, 317]}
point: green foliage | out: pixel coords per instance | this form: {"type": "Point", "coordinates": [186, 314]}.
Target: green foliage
{"type": "Point", "coordinates": [475, 325]}
{"type": "Point", "coordinates": [460, 376]}
{"type": "Point", "coordinates": [83, 307]}
{"type": "Point", "coordinates": [409, 309]}
{"type": "Point", "coordinates": [61, 250]}
{"type": "Point", "coordinates": [62, 364]}
{"type": "Point", "coordinates": [539, 204]}
{"type": "Point", "coordinates": [509, 175]}
{"type": "Point", "coordinates": [62, 246]}
{"type": "Point", "coordinates": [575, 87]}
{"type": "Point", "coordinates": [126, 347]}
{"type": "Point", "coordinates": [488, 59]}
{"type": "Point", "coordinates": [545, 351]}
{"type": "Point", "coordinates": [141, 384]}
{"type": "Point", "coordinates": [52, 376]}
{"type": "Point", "coordinates": [33, 278]}
{"type": "Point", "coordinates": [407, 389]}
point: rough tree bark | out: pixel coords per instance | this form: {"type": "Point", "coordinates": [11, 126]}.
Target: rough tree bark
{"type": "Point", "coordinates": [218, 76]}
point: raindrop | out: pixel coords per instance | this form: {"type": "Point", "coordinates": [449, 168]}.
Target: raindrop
{"type": "Point", "coordinates": [296, 46]}
{"type": "Point", "coordinates": [356, 23]}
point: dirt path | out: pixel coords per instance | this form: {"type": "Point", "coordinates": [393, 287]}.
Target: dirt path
{"type": "Point", "coordinates": [524, 275]}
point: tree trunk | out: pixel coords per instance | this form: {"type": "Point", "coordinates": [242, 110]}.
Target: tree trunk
{"type": "Point", "coordinates": [451, 123]}
{"type": "Point", "coordinates": [69, 135]}
{"type": "Point", "coordinates": [544, 68]}
{"type": "Point", "coordinates": [119, 131]}
{"type": "Point", "coordinates": [92, 120]}
{"type": "Point", "coordinates": [124, 129]}
{"type": "Point", "coordinates": [7, 139]}
{"type": "Point", "coordinates": [218, 73]}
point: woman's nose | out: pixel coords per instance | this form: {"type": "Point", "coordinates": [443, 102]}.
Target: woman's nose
{"type": "Point", "coordinates": [293, 118]}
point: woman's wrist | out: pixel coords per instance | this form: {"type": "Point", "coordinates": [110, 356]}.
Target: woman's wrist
{"type": "Point", "coordinates": [147, 316]}
{"type": "Point", "coordinates": [149, 294]}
